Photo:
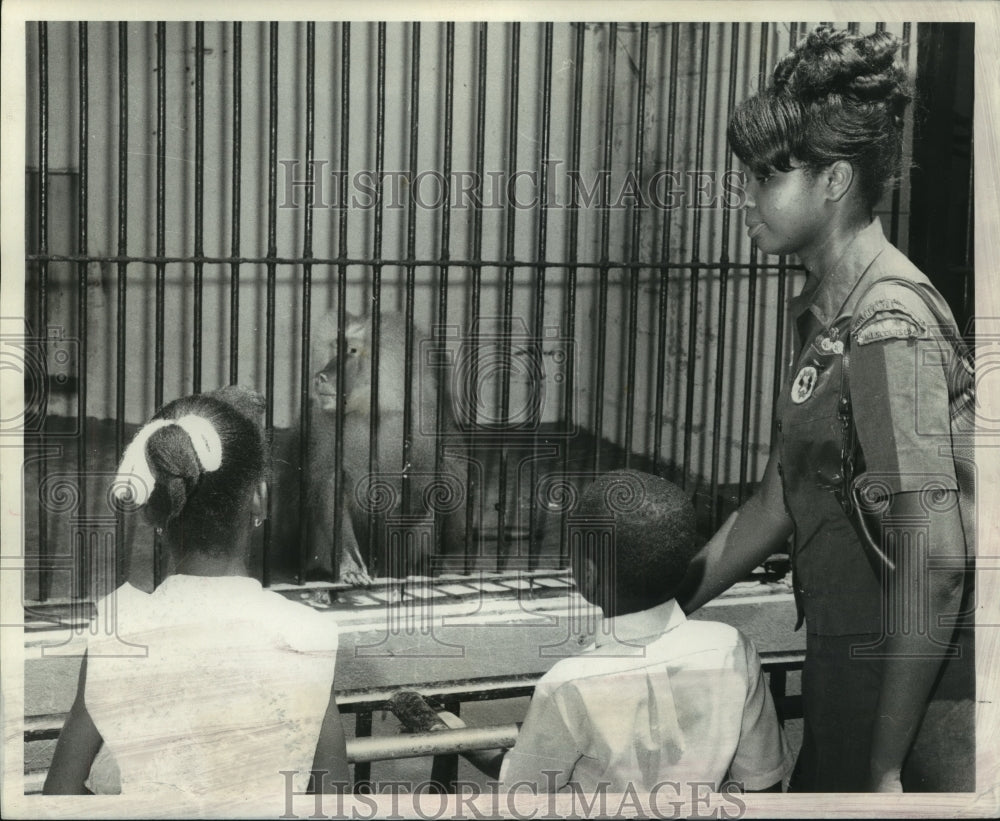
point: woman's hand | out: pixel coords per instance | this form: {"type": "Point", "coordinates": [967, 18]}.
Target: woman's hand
{"type": "Point", "coordinates": [758, 529]}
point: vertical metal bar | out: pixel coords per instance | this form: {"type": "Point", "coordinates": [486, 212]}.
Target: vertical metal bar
{"type": "Point", "coordinates": [444, 255]}
{"type": "Point", "coordinates": [272, 252]}
{"type": "Point", "coordinates": [234, 266]}
{"type": "Point", "coordinates": [897, 183]}
{"type": "Point", "coordinates": [161, 220]}
{"type": "Point", "coordinates": [748, 361]}
{"type": "Point", "coordinates": [602, 295]}
{"type": "Point", "coordinates": [633, 306]}
{"type": "Point", "coordinates": [969, 255]}
{"type": "Point", "coordinates": [199, 194]}
{"type": "Point", "coordinates": [362, 769]}
{"type": "Point", "coordinates": [342, 253]}
{"type": "Point", "coordinates": [411, 238]}
{"type": "Point", "coordinates": [852, 28]}
{"type": "Point", "coordinates": [307, 251]}
{"type": "Point", "coordinates": [83, 567]}
{"type": "Point", "coordinates": [571, 267]}
{"type": "Point", "coordinates": [541, 232]}
{"type": "Point", "coordinates": [44, 551]}
{"type": "Point", "coordinates": [793, 36]}
{"type": "Point", "coordinates": [122, 307]}
{"type": "Point", "coordinates": [444, 769]}
{"type": "Point", "coordinates": [665, 254]}
{"type": "Point", "coordinates": [720, 343]}
{"type": "Point", "coordinates": [472, 489]}
{"type": "Point", "coordinates": [880, 27]}
{"type": "Point", "coordinates": [695, 258]}
{"type": "Point", "coordinates": [161, 233]}
{"type": "Point", "coordinates": [777, 683]}
{"type": "Point", "coordinates": [375, 558]}
{"type": "Point", "coordinates": [510, 218]}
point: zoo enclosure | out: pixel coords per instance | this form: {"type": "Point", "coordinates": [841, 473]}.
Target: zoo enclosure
{"type": "Point", "coordinates": [199, 192]}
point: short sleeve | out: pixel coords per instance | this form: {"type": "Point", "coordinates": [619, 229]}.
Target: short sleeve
{"type": "Point", "coordinates": [546, 750]}
{"type": "Point", "coordinates": [899, 397]}
{"type": "Point", "coordinates": [762, 756]}
{"type": "Point", "coordinates": [303, 629]}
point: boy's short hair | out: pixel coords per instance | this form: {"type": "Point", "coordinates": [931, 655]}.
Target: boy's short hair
{"type": "Point", "coordinates": [653, 538]}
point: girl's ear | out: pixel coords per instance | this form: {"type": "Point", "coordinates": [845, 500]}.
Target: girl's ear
{"type": "Point", "coordinates": [839, 179]}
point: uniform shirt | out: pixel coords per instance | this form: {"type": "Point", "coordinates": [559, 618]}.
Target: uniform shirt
{"type": "Point", "coordinates": [656, 699]}
{"type": "Point", "coordinates": [899, 396]}
{"type": "Point", "coordinates": [209, 687]}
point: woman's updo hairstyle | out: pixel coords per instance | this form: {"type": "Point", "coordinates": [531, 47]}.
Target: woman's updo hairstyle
{"type": "Point", "coordinates": [202, 509]}
{"type": "Point", "coordinates": [836, 96]}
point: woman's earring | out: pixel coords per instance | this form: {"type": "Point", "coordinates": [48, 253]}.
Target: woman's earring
{"type": "Point", "coordinates": [257, 521]}
{"type": "Point", "coordinates": [159, 531]}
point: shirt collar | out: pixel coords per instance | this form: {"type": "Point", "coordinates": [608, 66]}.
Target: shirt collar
{"type": "Point", "coordinates": [825, 293]}
{"type": "Point", "coordinates": [645, 624]}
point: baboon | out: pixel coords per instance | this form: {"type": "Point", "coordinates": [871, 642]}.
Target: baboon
{"type": "Point", "coordinates": [403, 540]}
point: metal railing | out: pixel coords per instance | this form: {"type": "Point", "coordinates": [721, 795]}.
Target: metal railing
{"type": "Point", "coordinates": [444, 745]}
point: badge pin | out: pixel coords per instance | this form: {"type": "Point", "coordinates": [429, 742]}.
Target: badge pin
{"type": "Point", "coordinates": [825, 344]}
{"type": "Point", "coordinates": [838, 347]}
{"type": "Point", "coordinates": [805, 382]}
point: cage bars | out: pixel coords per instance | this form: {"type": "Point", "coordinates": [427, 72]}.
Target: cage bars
{"type": "Point", "coordinates": [236, 203]}
{"type": "Point", "coordinates": [512, 257]}
{"type": "Point", "coordinates": [666, 228]}
{"type": "Point", "coordinates": [444, 251]}
{"type": "Point", "coordinates": [638, 139]}
{"type": "Point", "coordinates": [83, 142]}
{"type": "Point", "coordinates": [508, 287]}
{"type": "Point", "coordinates": [45, 552]}
{"type": "Point", "coordinates": [473, 522]}
{"type": "Point", "coordinates": [342, 249]}
{"type": "Point", "coordinates": [604, 263]}
{"type": "Point", "coordinates": [720, 342]}
{"type": "Point", "coordinates": [541, 229]}
{"type": "Point", "coordinates": [122, 301]}
{"type": "Point", "coordinates": [375, 539]}
{"type": "Point", "coordinates": [305, 366]}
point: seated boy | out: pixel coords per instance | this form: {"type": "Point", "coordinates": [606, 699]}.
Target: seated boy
{"type": "Point", "coordinates": [656, 698]}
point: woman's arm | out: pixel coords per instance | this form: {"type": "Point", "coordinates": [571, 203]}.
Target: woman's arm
{"type": "Point", "coordinates": [912, 657]}
{"type": "Point", "coordinates": [758, 529]}
{"type": "Point", "coordinates": [330, 759]}
{"type": "Point", "coordinates": [77, 747]}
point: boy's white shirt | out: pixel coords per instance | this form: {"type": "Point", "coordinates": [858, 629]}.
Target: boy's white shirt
{"type": "Point", "coordinates": [657, 698]}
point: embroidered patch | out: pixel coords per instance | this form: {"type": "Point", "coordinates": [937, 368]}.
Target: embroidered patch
{"type": "Point", "coordinates": [804, 384]}
{"type": "Point", "coordinates": [893, 325]}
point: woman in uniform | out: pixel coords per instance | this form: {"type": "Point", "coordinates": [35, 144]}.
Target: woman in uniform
{"type": "Point", "coordinates": [864, 473]}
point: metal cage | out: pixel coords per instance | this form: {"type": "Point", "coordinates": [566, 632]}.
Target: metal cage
{"type": "Point", "coordinates": [198, 193]}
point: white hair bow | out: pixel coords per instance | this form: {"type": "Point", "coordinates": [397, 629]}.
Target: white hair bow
{"type": "Point", "coordinates": [135, 480]}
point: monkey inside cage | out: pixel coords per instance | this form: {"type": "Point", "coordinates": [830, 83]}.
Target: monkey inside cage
{"type": "Point", "coordinates": [469, 266]}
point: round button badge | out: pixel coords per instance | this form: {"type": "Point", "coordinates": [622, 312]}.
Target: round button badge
{"type": "Point", "coordinates": [805, 382]}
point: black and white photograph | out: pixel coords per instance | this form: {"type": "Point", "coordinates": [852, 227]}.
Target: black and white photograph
{"type": "Point", "coordinates": [500, 410]}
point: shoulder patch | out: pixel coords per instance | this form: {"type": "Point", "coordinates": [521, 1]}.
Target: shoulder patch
{"type": "Point", "coordinates": [890, 322]}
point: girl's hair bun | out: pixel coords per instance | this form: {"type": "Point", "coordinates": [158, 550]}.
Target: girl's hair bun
{"type": "Point", "coordinates": [835, 63]}
{"type": "Point", "coordinates": [836, 96]}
